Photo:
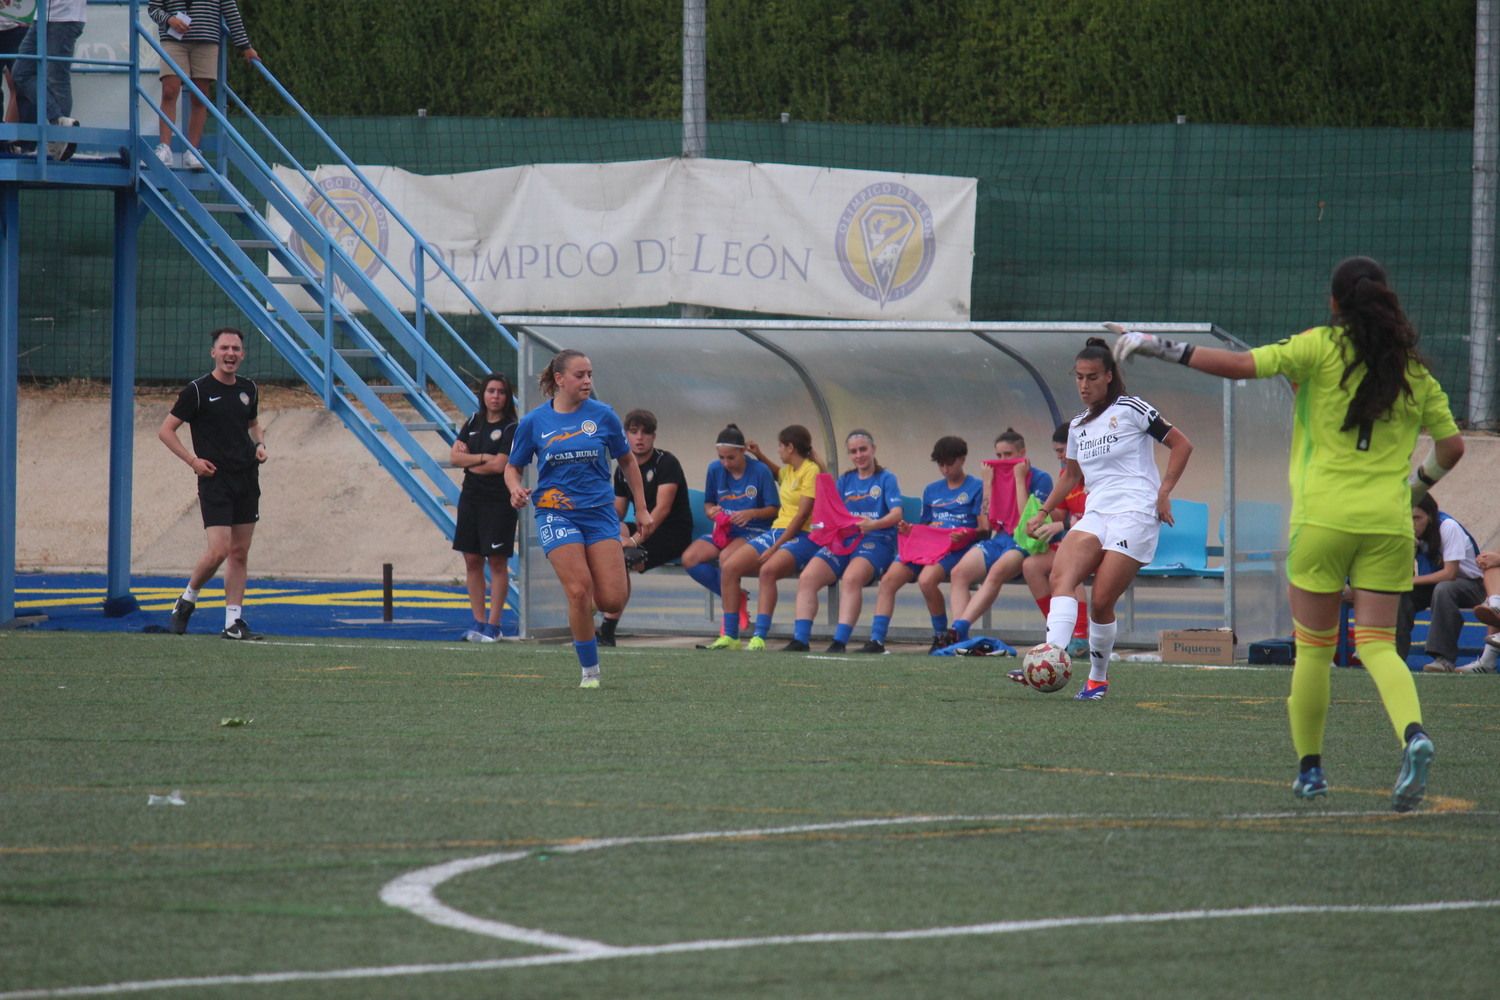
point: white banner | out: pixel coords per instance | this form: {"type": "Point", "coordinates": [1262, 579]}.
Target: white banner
{"type": "Point", "coordinates": [758, 237]}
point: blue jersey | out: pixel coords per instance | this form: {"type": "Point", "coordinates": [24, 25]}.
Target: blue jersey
{"type": "Point", "coordinates": [871, 498]}
{"type": "Point", "coordinates": [573, 452]}
{"type": "Point", "coordinates": [756, 488]}
{"type": "Point", "coordinates": [953, 507]}
{"type": "Point", "coordinates": [1040, 483]}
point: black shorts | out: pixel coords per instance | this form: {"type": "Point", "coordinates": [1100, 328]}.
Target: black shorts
{"type": "Point", "coordinates": [486, 526]}
{"type": "Point", "coordinates": [661, 549]}
{"type": "Point", "coordinates": [230, 498]}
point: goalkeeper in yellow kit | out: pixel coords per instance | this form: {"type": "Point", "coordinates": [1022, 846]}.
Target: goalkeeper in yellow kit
{"type": "Point", "coordinates": [1363, 393]}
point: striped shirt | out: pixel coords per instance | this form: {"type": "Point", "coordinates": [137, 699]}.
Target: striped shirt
{"type": "Point", "coordinates": [206, 15]}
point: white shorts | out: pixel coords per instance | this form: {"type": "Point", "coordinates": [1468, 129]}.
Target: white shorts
{"type": "Point", "coordinates": [1129, 533]}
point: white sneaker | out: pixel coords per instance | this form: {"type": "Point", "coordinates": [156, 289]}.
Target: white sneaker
{"type": "Point", "coordinates": [1479, 666]}
{"type": "Point", "coordinates": [1439, 665]}
{"type": "Point", "coordinates": [63, 150]}
{"type": "Point", "coordinates": [191, 161]}
{"type": "Point", "coordinates": [164, 153]}
{"type": "Point", "coordinates": [474, 635]}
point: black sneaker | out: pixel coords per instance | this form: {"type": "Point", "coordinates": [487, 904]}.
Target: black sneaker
{"type": "Point", "coordinates": [836, 647]}
{"type": "Point", "coordinates": [795, 646]}
{"type": "Point", "coordinates": [871, 647]}
{"type": "Point", "coordinates": [181, 612]}
{"type": "Point", "coordinates": [239, 630]}
{"type": "Point", "coordinates": [604, 638]}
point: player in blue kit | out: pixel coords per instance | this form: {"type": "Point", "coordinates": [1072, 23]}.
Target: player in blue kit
{"type": "Point", "coordinates": [997, 558]}
{"type": "Point", "coordinates": [954, 502]}
{"type": "Point", "coordinates": [573, 437]}
{"type": "Point", "coordinates": [739, 488]}
{"type": "Point", "coordinates": [871, 493]}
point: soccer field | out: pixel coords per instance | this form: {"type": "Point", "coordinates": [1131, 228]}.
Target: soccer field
{"type": "Point", "coordinates": [418, 819]}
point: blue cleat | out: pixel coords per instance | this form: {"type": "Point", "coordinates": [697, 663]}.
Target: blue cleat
{"type": "Point", "coordinates": [1078, 647]}
{"type": "Point", "coordinates": [1411, 783]}
{"type": "Point", "coordinates": [1092, 691]}
{"type": "Point", "coordinates": [1310, 784]}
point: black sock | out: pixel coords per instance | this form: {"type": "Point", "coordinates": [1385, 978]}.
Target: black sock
{"type": "Point", "coordinates": [607, 626]}
{"type": "Point", "coordinates": [1311, 760]}
{"type": "Point", "coordinates": [1412, 730]}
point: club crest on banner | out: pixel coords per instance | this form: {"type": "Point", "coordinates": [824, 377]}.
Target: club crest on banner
{"type": "Point", "coordinates": [365, 213]}
{"type": "Point", "coordinates": [18, 10]}
{"type": "Point", "coordinates": [885, 241]}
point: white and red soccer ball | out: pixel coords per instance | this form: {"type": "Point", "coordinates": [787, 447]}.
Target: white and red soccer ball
{"type": "Point", "coordinates": [1047, 667]}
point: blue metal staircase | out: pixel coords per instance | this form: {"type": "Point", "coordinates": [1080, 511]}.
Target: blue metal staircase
{"type": "Point", "coordinates": [375, 365]}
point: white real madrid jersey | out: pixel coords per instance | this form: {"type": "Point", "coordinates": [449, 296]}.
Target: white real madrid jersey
{"type": "Point", "coordinates": [1115, 452]}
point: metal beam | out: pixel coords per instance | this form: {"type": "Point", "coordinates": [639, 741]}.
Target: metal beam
{"type": "Point", "coordinates": [10, 362]}
{"type": "Point", "coordinates": [118, 601]}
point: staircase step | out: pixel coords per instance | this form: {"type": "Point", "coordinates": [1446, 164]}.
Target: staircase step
{"type": "Point", "coordinates": [415, 425]}
{"type": "Point", "coordinates": [440, 463]}
{"type": "Point", "coordinates": [215, 206]}
{"type": "Point", "coordinates": [316, 314]}
{"type": "Point", "coordinates": [293, 279]}
{"type": "Point", "coordinates": [355, 352]}
{"type": "Point", "coordinates": [257, 244]}
{"type": "Point", "coordinates": [388, 390]}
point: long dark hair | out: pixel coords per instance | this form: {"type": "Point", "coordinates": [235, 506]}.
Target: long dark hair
{"type": "Point", "coordinates": [800, 440]}
{"type": "Point", "coordinates": [1382, 338]}
{"type": "Point", "coordinates": [1432, 539]}
{"type": "Point", "coordinates": [508, 411]}
{"type": "Point", "coordinates": [1096, 349]}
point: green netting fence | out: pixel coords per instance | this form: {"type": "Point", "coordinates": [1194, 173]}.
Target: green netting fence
{"type": "Point", "coordinates": [1236, 225]}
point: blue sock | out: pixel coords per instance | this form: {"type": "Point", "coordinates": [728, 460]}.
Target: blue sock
{"type": "Point", "coordinates": [478, 626]}
{"type": "Point", "coordinates": [493, 631]}
{"type": "Point", "coordinates": [939, 624]}
{"type": "Point", "coordinates": [732, 624]}
{"type": "Point", "coordinates": [706, 575]}
{"type": "Point", "coordinates": [841, 632]}
{"type": "Point", "coordinates": [879, 627]}
{"type": "Point", "coordinates": [588, 654]}
{"type": "Point", "coordinates": [762, 626]}
{"type": "Point", "coordinates": [802, 629]}
{"type": "Point", "coordinates": [962, 628]}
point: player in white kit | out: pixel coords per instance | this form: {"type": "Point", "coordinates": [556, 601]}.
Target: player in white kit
{"type": "Point", "coordinates": [1109, 445]}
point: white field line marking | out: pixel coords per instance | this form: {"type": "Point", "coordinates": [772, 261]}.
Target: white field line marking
{"type": "Point", "coordinates": [726, 944]}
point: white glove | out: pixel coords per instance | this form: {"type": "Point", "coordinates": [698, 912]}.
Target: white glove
{"type": "Point", "coordinates": [1147, 345]}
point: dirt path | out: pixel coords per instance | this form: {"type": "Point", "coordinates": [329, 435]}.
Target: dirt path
{"type": "Point", "coordinates": [327, 508]}
{"type": "Point", "coordinates": [328, 511]}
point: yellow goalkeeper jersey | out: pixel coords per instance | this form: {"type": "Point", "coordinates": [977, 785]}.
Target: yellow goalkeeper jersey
{"type": "Point", "coordinates": [1353, 480]}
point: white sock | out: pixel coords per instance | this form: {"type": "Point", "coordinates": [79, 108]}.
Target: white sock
{"type": "Point", "coordinates": [1101, 644]}
{"type": "Point", "coordinates": [1493, 601]}
{"type": "Point", "coordinates": [190, 593]}
{"type": "Point", "coordinates": [1487, 656]}
{"type": "Point", "coordinates": [1061, 619]}
{"type": "Point", "coordinates": [231, 614]}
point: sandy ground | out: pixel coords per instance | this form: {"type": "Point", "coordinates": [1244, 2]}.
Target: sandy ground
{"type": "Point", "coordinates": [328, 511]}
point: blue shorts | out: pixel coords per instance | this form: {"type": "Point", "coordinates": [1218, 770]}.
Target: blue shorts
{"type": "Point", "coordinates": [996, 546]}
{"type": "Point", "coordinates": [588, 526]}
{"type": "Point", "coordinates": [878, 552]}
{"type": "Point", "coordinates": [947, 562]}
{"type": "Point", "coordinates": [802, 548]}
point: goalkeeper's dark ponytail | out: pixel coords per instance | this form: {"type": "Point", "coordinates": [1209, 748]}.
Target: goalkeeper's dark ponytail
{"type": "Point", "coordinates": [1382, 339]}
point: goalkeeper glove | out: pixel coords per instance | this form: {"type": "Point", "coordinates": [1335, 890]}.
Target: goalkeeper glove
{"type": "Point", "coordinates": [1148, 345]}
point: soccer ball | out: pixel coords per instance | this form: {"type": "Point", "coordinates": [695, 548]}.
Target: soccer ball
{"type": "Point", "coordinates": [1047, 667]}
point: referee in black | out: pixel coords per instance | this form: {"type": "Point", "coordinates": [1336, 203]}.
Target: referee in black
{"type": "Point", "coordinates": [228, 448]}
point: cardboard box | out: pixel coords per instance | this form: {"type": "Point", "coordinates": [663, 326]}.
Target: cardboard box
{"type": "Point", "coordinates": [1197, 645]}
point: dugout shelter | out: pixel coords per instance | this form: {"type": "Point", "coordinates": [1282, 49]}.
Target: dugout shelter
{"type": "Point", "coordinates": [908, 385]}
